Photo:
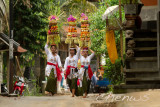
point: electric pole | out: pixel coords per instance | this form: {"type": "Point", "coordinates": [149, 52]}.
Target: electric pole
{"type": "Point", "coordinates": [11, 66]}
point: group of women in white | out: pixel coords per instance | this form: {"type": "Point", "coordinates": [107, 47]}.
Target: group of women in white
{"type": "Point", "coordinates": [78, 79]}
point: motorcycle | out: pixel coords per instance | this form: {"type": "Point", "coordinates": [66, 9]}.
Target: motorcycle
{"type": "Point", "coordinates": [19, 86]}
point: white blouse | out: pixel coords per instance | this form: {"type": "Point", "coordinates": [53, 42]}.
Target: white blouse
{"type": "Point", "coordinates": [52, 59]}
{"type": "Point", "coordinates": [86, 62]}
{"type": "Point", "coordinates": [72, 61]}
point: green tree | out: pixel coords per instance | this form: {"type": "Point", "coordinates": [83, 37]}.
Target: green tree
{"type": "Point", "coordinates": [76, 7]}
{"type": "Point", "coordinates": [31, 24]}
{"type": "Point", "coordinates": [98, 27]}
{"type": "Point", "coordinates": [98, 33]}
{"type": "Point", "coordinates": [113, 71]}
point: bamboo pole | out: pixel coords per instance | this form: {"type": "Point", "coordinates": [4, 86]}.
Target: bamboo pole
{"type": "Point", "coordinates": [19, 66]}
{"type": "Point", "coordinates": [121, 33]}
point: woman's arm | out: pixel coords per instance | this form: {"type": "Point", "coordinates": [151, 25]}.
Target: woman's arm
{"type": "Point", "coordinates": [92, 55]}
{"type": "Point", "coordinates": [46, 49]}
{"type": "Point", "coordinates": [78, 52]}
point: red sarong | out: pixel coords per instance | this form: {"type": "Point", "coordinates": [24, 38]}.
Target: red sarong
{"type": "Point", "coordinates": [90, 73]}
{"type": "Point", "coordinates": [59, 76]}
{"type": "Point", "coordinates": [78, 82]}
{"type": "Point", "coordinates": [68, 70]}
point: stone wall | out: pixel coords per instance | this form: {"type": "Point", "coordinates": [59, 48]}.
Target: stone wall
{"type": "Point", "coordinates": [149, 17]}
{"type": "Point", "coordinates": [149, 13]}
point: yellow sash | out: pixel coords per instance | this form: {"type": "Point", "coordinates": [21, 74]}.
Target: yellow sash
{"type": "Point", "coordinates": [111, 46]}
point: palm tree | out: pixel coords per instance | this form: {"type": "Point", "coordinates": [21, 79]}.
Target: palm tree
{"type": "Point", "coordinates": [76, 7]}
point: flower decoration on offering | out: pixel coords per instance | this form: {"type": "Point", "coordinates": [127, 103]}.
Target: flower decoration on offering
{"type": "Point", "coordinates": [53, 33]}
{"type": "Point", "coordinates": [85, 34]}
{"type": "Point", "coordinates": [72, 31]}
{"type": "Point", "coordinates": [84, 19]}
{"type": "Point", "coordinates": [71, 21]}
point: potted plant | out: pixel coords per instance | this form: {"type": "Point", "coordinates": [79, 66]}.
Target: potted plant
{"type": "Point", "coordinates": [132, 9]}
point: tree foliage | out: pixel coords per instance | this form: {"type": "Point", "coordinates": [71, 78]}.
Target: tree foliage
{"type": "Point", "coordinates": [98, 28]}
{"type": "Point", "coordinates": [31, 21]}
{"type": "Point", "coordinates": [31, 24]}
{"type": "Point", "coordinates": [77, 7]}
{"type": "Point", "coordinates": [113, 72]}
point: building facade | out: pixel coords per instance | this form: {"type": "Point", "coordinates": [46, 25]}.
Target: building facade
{"type": "Point", "coordinates": [142, 71]}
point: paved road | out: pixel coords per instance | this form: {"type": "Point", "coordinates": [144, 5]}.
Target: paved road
{"type": "Point", "coordinates": [149, 98]}
{"type": "Point", "coordinates": [54, 101]}
{"type": "Point", "coordinates": [137, 99]}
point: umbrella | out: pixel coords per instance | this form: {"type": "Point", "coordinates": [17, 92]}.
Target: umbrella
{"type": "Point", "coordinates": [109, 11]}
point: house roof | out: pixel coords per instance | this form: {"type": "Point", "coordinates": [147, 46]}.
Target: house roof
{"type": "Point", "coordinates": [4, 44]}
{"type": "Point", "coordinates": [64, 32]}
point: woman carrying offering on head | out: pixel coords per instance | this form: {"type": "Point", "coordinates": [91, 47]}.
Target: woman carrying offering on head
{"type": "Point", "coordinates": [85, 73]}
{"type": "Point", "coordinates": [70, 67]}
{"type": "Point", "coordinates": [53, 69]}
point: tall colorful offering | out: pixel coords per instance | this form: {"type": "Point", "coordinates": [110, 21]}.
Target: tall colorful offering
{"type": "Point", "coordinates": [85, 34]}
{"type": "Point", "coordinates": [53, 33]}
{"type": "Point", "coordinates": [72, 37]}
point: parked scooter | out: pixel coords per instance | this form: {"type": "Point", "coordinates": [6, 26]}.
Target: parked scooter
{"type": "Point", "coordinates": [19, 86]}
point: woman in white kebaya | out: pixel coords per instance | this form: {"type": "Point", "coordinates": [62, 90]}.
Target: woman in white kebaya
{"type": "Point", "coordinates": [53, 69]}
{"type": "Point", "coordinates": [70, 67]}
{"type": "Point", "coordinates": [85, 73]}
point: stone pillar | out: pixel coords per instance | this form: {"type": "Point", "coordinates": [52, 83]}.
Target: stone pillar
{"type": "Point", "coordinates": [1, 69]}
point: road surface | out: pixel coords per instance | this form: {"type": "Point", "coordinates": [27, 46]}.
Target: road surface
{"type": "Point", "coordinates": [44, 101]}
{"type": "Point", "coordinates": [149, 98]}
